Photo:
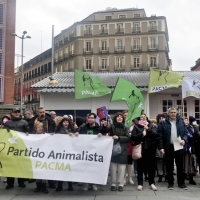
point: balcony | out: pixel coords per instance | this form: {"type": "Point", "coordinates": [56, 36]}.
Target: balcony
{"type": "Point", "coordinates": [104, 50]}
{"type": "Point", "coordinates": [60, 58]}
{"type": "Point", "coordinates": [88, 69]}
{"type": "Point", "coordinates": [119, 49]}
{"type": "Point", "coordinates": [104, 68]}
{"type": "Point", "coordinates": [153, 47]}
{"type": "Point", "coordinates": [152, 29]}
{"type": "Point", "coordinates": [153, 65]}
{"type": "Point", "coordinates": [33, 75]}
{"type": "Point", "coordinates": [136, 67]}
{"type": "Point", "coordinates": [29, 77]}
{"type": "Point", "coordinates": [119, 67]}
{"type": "Point", "coordinates": [103, 31]}
{"type": "Point", "coordinates": [66, 56]}
{"type": "Point", "coordinates": [56, 45]}
{"type": "Point", "coordinates": [65, 40]}
{"type": "Point", "coordinates": [56, 60]}
{"type": "Point", "coordinates": [35, 100]}
{"type": "Point", "coordinates": [87, 51]}
{"type": "Point", "coordinates": [87, 32]}
{"type": "Point", "coordinates": [72, 35]}
{"type": "Point", "coordinates": [119, 31]}
{"type": "Point", "coordinates": [136, 30]}
{"type": "Point", "coordinates": [25, 79]}
{"type": "Point", "coordinates": [60, 43]}
{"type": "Point", "coordinates": [71, 69]}
{"type": "Point", "coordinates": [71, 53]}
{"type": "Point", "coordinates": [136, 48]}
{"type": "Point", "coordinates": [39, 73]}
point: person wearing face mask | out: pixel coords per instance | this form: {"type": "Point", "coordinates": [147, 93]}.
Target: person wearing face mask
{"type": "Point", "coordinates": [196, 137]}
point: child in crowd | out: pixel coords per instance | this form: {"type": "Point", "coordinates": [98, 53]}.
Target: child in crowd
{"type": "Point", "coordinates": [41, 184]}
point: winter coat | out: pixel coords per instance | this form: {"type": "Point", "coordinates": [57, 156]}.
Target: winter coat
{"type": "Point", "coordinates": [196, 141]}
{"type": "Point", "coordinates": [86, 129]}
{"type": "Point", "coordinates": [31, 125]}
{"type": "Point", "coordinates": [164, 130]}
{"type": "Point", "coordinates": [49, 124]}
{"type": "Point", "coordinates": [121, 131]}
{"type": "Point", "coordinates": [17, 124]}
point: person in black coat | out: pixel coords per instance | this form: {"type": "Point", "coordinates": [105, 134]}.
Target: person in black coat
{"type": "Point", "coordinates": [171, 130]}
{"type": "Point", "coordinates": [17, 124]}
{"type": "Point", "coordinates": [65, 127]}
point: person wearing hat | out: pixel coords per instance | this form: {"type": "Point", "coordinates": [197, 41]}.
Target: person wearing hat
{"type": "Point", "coordinates": [16, 123]}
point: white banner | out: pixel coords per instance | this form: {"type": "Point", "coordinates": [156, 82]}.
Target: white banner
{"type": "Point", "coordinates": [85, 158]}
{"type": "Point", "coordinates": [190, 87]}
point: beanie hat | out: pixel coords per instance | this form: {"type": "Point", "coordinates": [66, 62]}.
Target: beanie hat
{"type": "Point", "coordinates": [70, 116]}
{"type": "Point", "coordinates": [191, 119]}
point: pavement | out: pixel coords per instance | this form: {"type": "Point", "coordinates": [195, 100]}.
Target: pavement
{"type": "Point", "coordinates": [103, 193]}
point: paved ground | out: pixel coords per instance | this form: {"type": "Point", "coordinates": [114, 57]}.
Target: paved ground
{"type": "Point", "coordinates": [103, 193]}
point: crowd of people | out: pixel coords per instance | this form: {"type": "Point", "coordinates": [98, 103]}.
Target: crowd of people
{"type": "Point", "coordinates": [156, 138]}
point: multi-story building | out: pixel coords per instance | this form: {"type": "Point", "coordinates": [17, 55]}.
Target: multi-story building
{"type": "Point", "coordinates": [105, 41]}
{"type": "Point", "coordinates": [34, 71]}
{"type": "Point", "coordinates": [197, 66]}
{"type": "Point", "coordinates": [114, 40]}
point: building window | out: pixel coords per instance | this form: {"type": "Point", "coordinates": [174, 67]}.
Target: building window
{"type": "Point", "coordinates": [0, 63]}
{"type": "Point", "coordinates": [66, 50]}
{"type": "Point", "coordinates": [120, 28]}
{"type": "Point", "coordinates": [153, 62]}
{"type": "Point", "coordinates": [136, 44]}
{"type": "Point", "coordinates": [88, 63]}
{"type": "Point", "coordinates": [1, 38]}
{"type": "Point", "coordinates": [103, 45]}
{"type": "Point", "coordinates": [136, 27]}
{"type": "Point", "coordinates": [197, 110]}
{"type": "Point", "coordinates": [72, 49]}
{"type": "Point", "coordinates": [120, 44]}
{"type": "Point", "coordinates": [136, 15]}
{"type": "Point", "coordinates": [1, 14]}
{"type": "Point", "coordinates": [122, 16]}
{"type": "Point", "coordinates": [88, 46]}
{"type": "Point", "coordinates": [108, 17]}
{"type": "Point", "coordinates": [104, 29]}
{"type": "Point", "coordinates": [152, 43]}
{"type": "Point", "coordinates": [103, 63]}
{"type": "Point", "coordinates": [136, 62]}
{"type": "Point", "coordinates": [152, 26]}
{"type": "Point", "coordinates": [166, 104]}
{"type": "Point", "coordinates": [119, 62]}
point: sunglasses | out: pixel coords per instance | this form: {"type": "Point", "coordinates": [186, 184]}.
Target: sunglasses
{"type": "Point", "coordinates": [17, 111]}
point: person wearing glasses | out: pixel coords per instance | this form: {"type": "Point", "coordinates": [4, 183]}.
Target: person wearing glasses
{"type": "Point", "coordinates": [173, 132]}
{"type": "Point", "coordinates": [17, 124]}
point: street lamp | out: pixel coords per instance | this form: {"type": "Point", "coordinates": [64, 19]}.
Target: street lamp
{"type": "Point", "coordinates": [24, 36]}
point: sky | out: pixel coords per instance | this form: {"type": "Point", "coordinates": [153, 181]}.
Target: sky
{"type": "Point", "coordinates": [38, 16]}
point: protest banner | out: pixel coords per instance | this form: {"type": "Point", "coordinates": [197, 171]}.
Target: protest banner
{"type": "Point", "coordinates": [85, 158]}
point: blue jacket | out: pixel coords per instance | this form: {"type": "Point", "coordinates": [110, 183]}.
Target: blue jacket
{"type": "Point", "coordinates": [164, 129]}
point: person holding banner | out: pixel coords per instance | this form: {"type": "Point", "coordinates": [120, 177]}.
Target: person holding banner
{"type": "Point", "coordinates": [65, 127]}
{"type": "Point", "coordinates": [120, 135]}
{"type": "Point", "coordinates": [17, 124]}
{"type": "Point", "coordinates": [90, 128]}
{"type": "Point", "coordinates": [41, 184]}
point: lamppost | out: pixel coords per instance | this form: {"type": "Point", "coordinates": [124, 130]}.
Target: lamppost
{"type": "Point", "coordinates": [24, 36]}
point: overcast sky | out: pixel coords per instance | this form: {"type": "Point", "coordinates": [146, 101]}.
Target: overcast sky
{"type": "Point", "coordinates": [38, 16]}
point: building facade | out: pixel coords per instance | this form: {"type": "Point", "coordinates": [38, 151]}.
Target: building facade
{"type": "Point", "coordinates": [114, 40]}
{"type": "Point", "coordinates": [7, 51]}
{"type": "Point", "coordinates": [34, 71]}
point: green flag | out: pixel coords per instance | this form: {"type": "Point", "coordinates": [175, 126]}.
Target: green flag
{"type": "Point", "coordinates": [87, 86]}
{"type": "Point", "coordinates": [127, 91]}
{"type": "Point", "coordinates": [162, 79]}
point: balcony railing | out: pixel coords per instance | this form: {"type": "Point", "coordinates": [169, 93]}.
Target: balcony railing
{"type": "Point", "coordinates": [71, 69]}
{"type": "Point", "coordinates": [153, 65]}
{"type": "Point", "coordinates": [153, 47]}
{"type": "Point", "coordinates": [56, 60]}
{"type": "Point", "coordinates": [60, 58]}
{"type": "Point", "coordinates": [87, 32]}
{"type": "Point", "coordinates": [35, 100]}
{"type": "Point", "coordinates": [72, 35]}
{"type": "Point", "coordinates": [71, 53]}
{"type": "Point", "coordinates": [87, 50]}
{"type": "Point", "coordinates": [103, 50]}
{"type": "Point", "coordinates": [136, 67]}
{"type": "Point", "coordinates": [66, 56]}
{"type": "Point", "coordinates": [104, 68]}
{"type": "Point", "coordinates": [88, 69]}
{"type": "Point", "coordinates": [60, 43]}
{"type": "Point", "coordinates": [152, 28]}
{"type": "Point", "coordinates": [119, 67]}
{"type": "Point", "coordinates": [136, 30]}
{"type": "Point", "coordinates": [119, 31]}
{"type": "Point", "coordinates": [103, 31]}
{"type": "Point", "coordinates": [66, 40]}
{"type": "Point", "coordinates": [119, 49]}
{"type": "Point", "coordinates": [56, 45]}
{"type": "Point", "coordinates": [136, 48]}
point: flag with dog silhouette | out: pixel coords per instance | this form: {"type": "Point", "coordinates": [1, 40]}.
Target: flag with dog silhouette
{"type": "Point", "coordinates": [128, 92]}
{"type": "Point", "coordinates": [87, 86]}
{"type": "Point", "coordinates": [163, 79]}
{"type": "Point", "coordinates": [55, 157]}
